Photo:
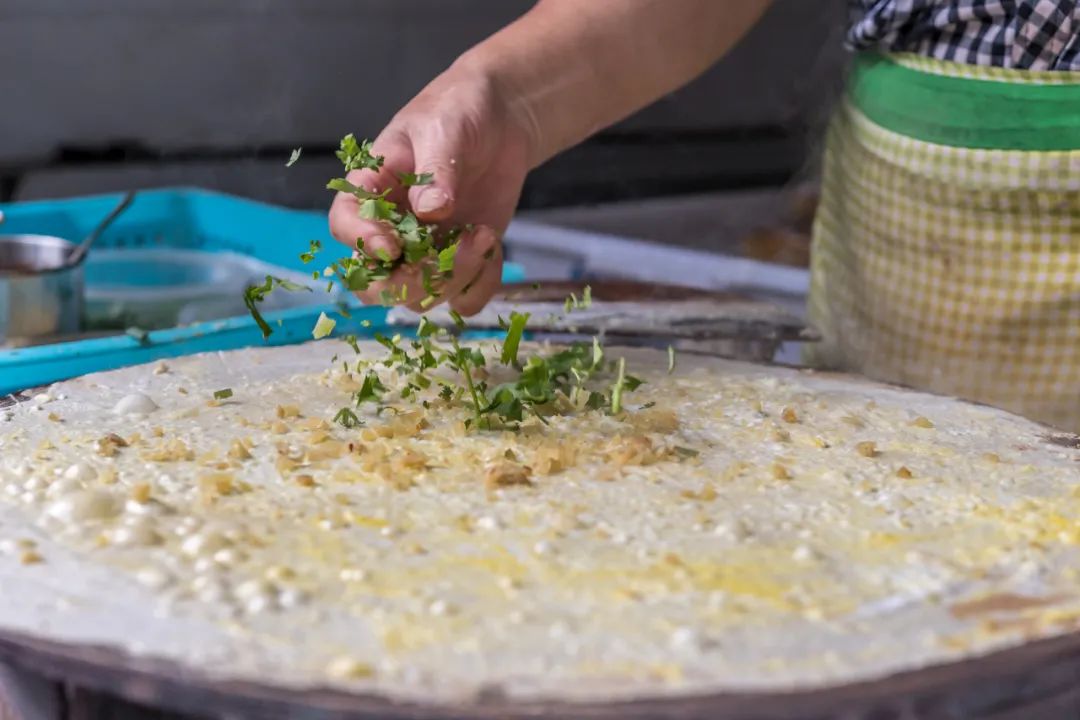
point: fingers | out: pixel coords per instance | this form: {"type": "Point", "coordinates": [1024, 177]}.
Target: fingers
{"type": "Point", "coordinates": [374, 238]}
{"type": "Point", "coordinates": [346, 225]}
{"type": "Point", "coordinates": [486, 282]}
{"type": "Point", "coordinates": [475, 278]}
{"type": "Point", "coordinates": [433, 152]}
{"type": "Point", "coordinates": [474, 251]}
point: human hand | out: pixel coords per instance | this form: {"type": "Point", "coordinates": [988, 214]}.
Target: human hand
{"type": "Point", "coordinates": [465, 132]}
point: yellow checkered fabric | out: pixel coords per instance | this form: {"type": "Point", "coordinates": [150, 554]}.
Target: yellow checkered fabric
{"type": "Point", "coordinates": [949, 269]}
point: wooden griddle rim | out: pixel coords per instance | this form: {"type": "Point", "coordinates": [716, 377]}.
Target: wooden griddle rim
{"type": "Point", "coordinates": [1009, 683]}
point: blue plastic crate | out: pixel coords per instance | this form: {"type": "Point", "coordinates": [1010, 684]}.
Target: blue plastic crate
{"type": "Point", "coordinates": [189, 219]}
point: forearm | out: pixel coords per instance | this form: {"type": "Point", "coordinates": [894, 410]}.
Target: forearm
{"type": "Point", "coordinates": [574, 67]}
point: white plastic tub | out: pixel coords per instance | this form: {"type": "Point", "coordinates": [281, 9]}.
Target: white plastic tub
{"type": "Point", "coordinates": [549, 252]}
{"type": "Point", "coordinates": [154, 288]}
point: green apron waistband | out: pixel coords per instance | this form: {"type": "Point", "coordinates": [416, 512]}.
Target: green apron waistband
{"type": "Point", "coordinates": [965, 112]}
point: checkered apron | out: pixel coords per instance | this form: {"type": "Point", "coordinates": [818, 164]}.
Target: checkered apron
{"type": "Point", "coordinates": [946, 250]}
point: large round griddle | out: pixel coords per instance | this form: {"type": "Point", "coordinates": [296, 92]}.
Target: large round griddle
{"type": "Point", "coordinates": [1036, 681]}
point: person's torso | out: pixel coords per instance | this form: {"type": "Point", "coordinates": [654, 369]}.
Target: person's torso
{"type": "Point", "coordinates": [1018, 34]}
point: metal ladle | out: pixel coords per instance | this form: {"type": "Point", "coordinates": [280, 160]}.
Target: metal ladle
{"type": "Point", "coordinates": [41, 283]}
{"type": "Point", "coordinates": [82, 248]}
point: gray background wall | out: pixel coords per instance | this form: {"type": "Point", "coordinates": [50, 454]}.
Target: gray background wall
{"type": "Point", "coordinates": [100, 95]}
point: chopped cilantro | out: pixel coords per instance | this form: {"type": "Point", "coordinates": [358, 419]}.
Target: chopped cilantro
{"type": "Point", "coordinates": [513, 337]}
{"type": "Point", "coordinates": [540, 385]}
{"type": "Point", "coordinates": [314, 246]}
{"type": "Point", "coordinates": [410, 179]}
{"type": "Point", "coordinates": [446, 258]}
{"type": "Point", "coordinates": [294, 157]}
{"type": "Point", "coordinates": [371, 390]}
{"type": "Point", "coordinates": [138, 335]}
{"type": "Point", "coordinates": [426, 328]}
{"type": "Point", "coordinates": [223, 394]}
{"type": "Point", "coordinates": [347, 418]}
{"type": "Point", "coordinates": [255, 294]}
{"type": "Point", "coordinates": [617, 388]}
{"type": "Point", "coordinates": [323, 327]}
{"type": "Point", "coordinates": [357, 155]}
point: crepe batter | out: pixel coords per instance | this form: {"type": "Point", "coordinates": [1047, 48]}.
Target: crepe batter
{"type": "Point", "coordinates": [755, 529]}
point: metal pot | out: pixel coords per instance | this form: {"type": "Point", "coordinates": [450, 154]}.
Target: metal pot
{"type": "Point", "coordinates": [40, 293]}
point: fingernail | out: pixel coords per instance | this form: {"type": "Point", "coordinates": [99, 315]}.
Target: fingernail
{"type": "Point", "coordinates": [431, 200]}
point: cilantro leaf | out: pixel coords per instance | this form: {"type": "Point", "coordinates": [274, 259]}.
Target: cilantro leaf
{"type": "Point", "coordinates": [255, 294]}
{"type": "Point", "coordinates": [314, 246]}
{"type": "Point", "coordinates": [377, 208]}
{"type": "Point", "coordinates": [323, 327]}
{"type": "Point", "coordinates": [410, 179]}
{"type": "Point", "coordinates": [446, 258]}
{"type": "Point", "coordinates": [357, 155]}
{"type": "Point", "coordinates": [294, 157]}
{"type": "Point", "coordinates": [371, 390]}
{"type": "Point", "coordinates": [347, 418]}
{"type": "Point", "coordinates": [513, 337]}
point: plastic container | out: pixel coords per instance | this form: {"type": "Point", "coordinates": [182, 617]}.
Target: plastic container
{"type": "Point", "coordinates": [156, 288]}
{"type": "Point", "coordinates": [550, 252]}
{"type": "Point", "coordinates": [215, 240]}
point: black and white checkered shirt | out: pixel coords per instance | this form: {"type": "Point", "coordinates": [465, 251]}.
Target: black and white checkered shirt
{"type": "Point", "coordinates": [1020, 34]}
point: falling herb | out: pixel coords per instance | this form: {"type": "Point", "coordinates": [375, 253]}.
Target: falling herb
{"type": "Point", "coordinates": [323, 326]}
{"type": "Point", "coordinates": [314, 246]}
{"type": "Point", "coordinates": [575, 378]}
{"type": "Point", "coordinates": [371, 390]}
{"type": "Point", "coordinates": [294, 157]}
{"type": "Point", "coordinates": [617, 388]}
{"type": "Point", "coordinates": [223, 394]}
{"type": "Point", "coordinates": [138, 335]}
{"type": "Point", "coordinates": [514, 334]}
{"type": "Point", "coordinates": [670, 359]}
{"type": "Point", "coordinates": [352, 342]}
{"type": "Point", "coordinates": [255, 294]}
{"type": "Point", "coordinates": [426, 328]}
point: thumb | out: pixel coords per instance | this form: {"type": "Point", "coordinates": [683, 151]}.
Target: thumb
{"type": "Point", "coordinates": [434, 202]}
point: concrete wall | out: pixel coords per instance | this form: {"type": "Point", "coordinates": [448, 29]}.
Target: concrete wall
{"type": "Point", "coordinates": [100, 94]}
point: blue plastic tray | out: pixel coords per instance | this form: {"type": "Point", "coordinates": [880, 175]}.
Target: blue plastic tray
{"type": "Point", "coordinates": [178, 218]}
